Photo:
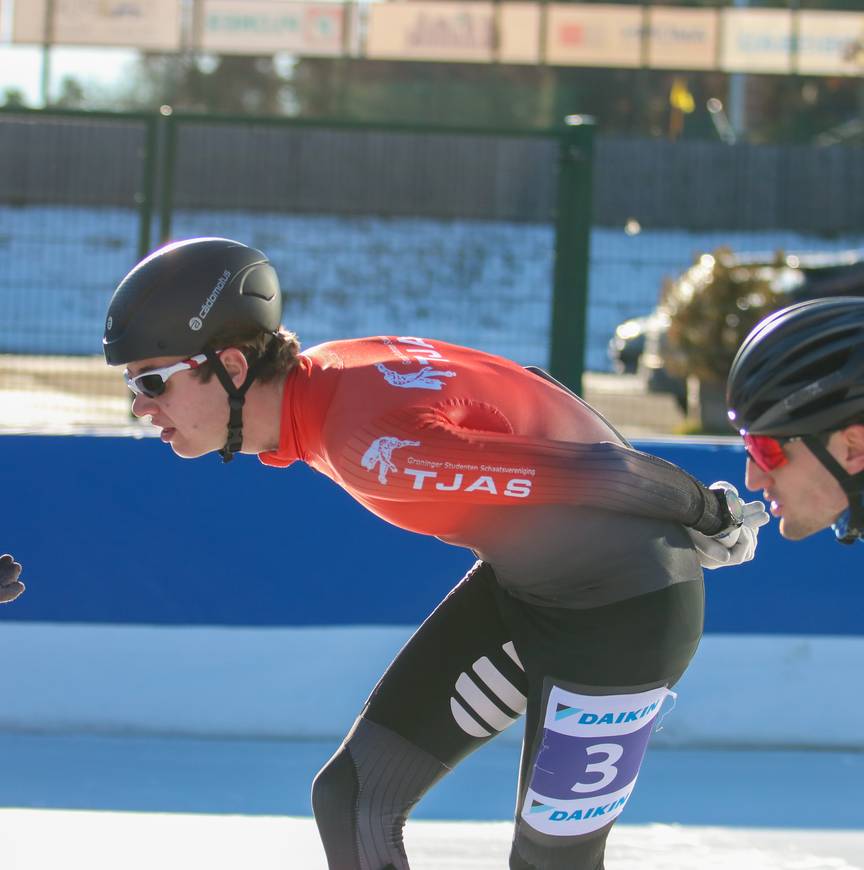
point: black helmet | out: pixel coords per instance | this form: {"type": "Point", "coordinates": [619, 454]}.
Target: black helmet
{"type": "Point", "coordinates": [177, 300]}
{"type": "Point", "coordinates": [800, 372]}
{"type": "Point", "coordinates": [174, 301]}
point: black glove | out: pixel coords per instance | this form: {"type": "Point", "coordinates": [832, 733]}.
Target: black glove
{"type": "Point", "coordinates": [10, 586]}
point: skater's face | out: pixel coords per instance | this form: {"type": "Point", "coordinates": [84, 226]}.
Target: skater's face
{"type": "Point", "coordinates": [191, 413]}
{"type": "Point", "coordinates": [802, 493]}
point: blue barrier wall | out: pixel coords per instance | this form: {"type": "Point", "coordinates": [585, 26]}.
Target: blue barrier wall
{"type": "Point", "coordinates": [158, 588]}
{"type": "Point", "coordinates": [118, 530]}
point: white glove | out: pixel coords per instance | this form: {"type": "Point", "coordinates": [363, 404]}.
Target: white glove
{"type": "Point", "coordinates": [737, 546]}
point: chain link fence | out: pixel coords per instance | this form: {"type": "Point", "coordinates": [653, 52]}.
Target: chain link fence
{"type": "Point", "coordinates": [372, 230]}
{"type": "Point", "coordinates": [76, 200]}
{"type": "Point", "coordinates": [467, 236]}
{"type": "Point", "coordinates": [659, 205]}
{"type": "Point", "coordinates": [376, 231]}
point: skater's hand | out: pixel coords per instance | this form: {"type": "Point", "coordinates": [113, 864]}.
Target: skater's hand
{"type": "Point", "coordinates": [736, 546]}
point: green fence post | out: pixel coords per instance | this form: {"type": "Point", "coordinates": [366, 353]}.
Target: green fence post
{"type": "Point", "coordinates": [169, 158]}
{"type": "Point", "coordinates": [147, 196]}
{"type": "Point", "coordinates": [572, 236]}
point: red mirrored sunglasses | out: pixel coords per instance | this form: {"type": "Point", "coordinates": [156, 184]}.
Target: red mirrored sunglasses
{"type": "Point", "coordinates": [765, 451]}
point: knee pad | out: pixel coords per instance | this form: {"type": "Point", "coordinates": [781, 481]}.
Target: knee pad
{"type": "Point", "coordinates": [363, 795]}
{"type": "Point", "coordinates": [334, 796]}
{"type": "Point", "coordinates": [335, 788]}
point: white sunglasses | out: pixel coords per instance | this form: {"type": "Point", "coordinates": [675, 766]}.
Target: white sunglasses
{"type": "Point", "coordinates": [152, 383]}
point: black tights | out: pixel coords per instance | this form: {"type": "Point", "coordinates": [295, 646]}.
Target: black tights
{"type": "Point", "coordinates": [474, 666]}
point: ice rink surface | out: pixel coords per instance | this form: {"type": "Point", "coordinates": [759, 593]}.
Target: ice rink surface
{"type": "Point", "coordinates": [31, 839]}
{"type": "Point", "coordinates": [84, 801]}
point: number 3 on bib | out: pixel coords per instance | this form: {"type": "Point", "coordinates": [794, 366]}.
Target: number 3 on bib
{"type": "Point", "coordinates": [613, 752]}
{"type": "Point", "coordinates": [587, 762]}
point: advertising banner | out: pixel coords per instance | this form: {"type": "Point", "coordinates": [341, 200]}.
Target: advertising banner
{"type": "Point", "coordinates": [518, 33]}
{"type": "Point", "coordinates": [151, 25]}
{"type": "Point", "coordinates": [597, 35]}
{"type": "Point", "coordinates": [748, 40]}
{"type": "Point", "coordinates": [680, 38]}
{"type": "Point", "coordinates": [432, 31]}
{"type": "Point", "coordinates": [756, 40]}
{"type": "Point", "coordinates": [831, 43]}
{"type": "Point", "coordinates": [270, 26]}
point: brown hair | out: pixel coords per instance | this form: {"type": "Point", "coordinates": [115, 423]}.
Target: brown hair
{"type": "Point", "coordinates": [254, 345]}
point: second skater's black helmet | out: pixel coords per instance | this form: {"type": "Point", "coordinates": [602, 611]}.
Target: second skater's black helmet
{"type": "Point", "coordinates": [800, 373]}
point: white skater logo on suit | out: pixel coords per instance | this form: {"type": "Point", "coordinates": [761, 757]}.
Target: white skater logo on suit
{"type": "Point", "coordinates": [422, 380]}
{"type": "Point", "coordinates": [470, 697]}
{"type": "Point", "coordinates": [380, 454]}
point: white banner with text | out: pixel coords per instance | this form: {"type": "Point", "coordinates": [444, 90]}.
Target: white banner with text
{"type": "Point", "coordinates": [680, 38]}
{"type": "Point", "coordinates": [601, 35]}
{"type": "Point", "coordinates": [271, 26]}
{"type": "Point", "coordinates": [757, 40]}
{"type": "Point", "coordinates": [830, 43]}
{"type": "Point", "coordinates": [151, 25]}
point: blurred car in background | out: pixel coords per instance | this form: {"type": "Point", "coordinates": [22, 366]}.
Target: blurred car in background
{"type": "Point", "coordinates": [628, 343]}
{"type": "Point", "coordinates": [636, 347]}
{"type": "Point", "coordinates": [639, 345]}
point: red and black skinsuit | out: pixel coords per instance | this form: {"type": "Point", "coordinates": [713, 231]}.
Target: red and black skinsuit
{"type": "Point", "coordinates": [586, 575]}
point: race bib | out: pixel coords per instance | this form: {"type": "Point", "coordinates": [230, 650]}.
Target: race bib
{"type": "Point", "coordinates": [588, 759]}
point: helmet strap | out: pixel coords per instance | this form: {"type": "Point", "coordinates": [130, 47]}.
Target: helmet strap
{"type": "Point", "coordinates": [237, 396]}
{"type": "Point", "coordinates": [850, 525]}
